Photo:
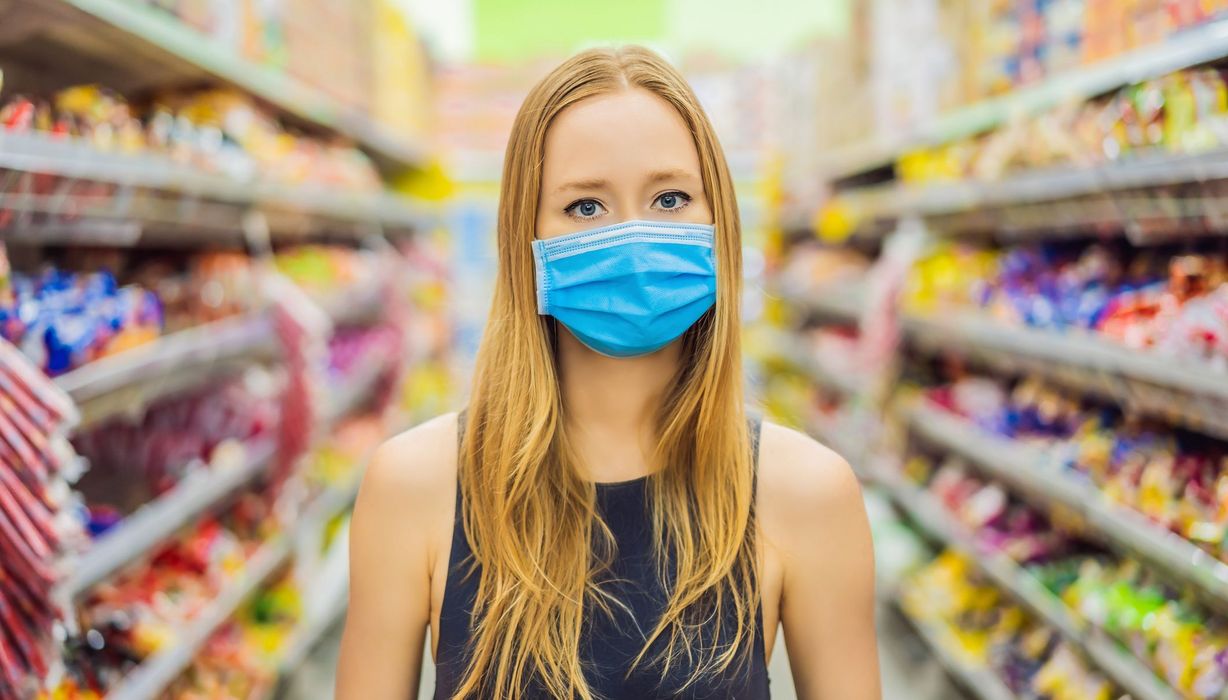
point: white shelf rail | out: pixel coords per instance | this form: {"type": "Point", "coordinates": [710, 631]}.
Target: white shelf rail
{"type": "Point", "coordinates": [1077, 348]}
{"type": "Point", "coordinates": [356, 388]}
{"type": "Point", "coordinates": [1188, 391]}
{"type": "Point", "coordinates": [1134, 196]}
{"type": "Point", "coordinates": [844, 304]}
{"type": "Point", "coordinates": [121, 382]}
{"type": "Point", "coordinates": [792, 351]}
{"type": "Point", "coordinates": [361, 303]}
{"type": "Point", "coordinates": [77, 160]}
{"type": "Point", "coordinates": [1184, 391]}
{"type": "Point", "coordinates": [307, 637]}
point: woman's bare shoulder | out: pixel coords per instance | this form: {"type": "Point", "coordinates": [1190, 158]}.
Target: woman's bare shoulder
{"type": "Point", "coordinates": [802, 484]}
{"type": "Point", "coordinates": [399, 529]}
{"type": "Point", "coordinates": [412, 475]}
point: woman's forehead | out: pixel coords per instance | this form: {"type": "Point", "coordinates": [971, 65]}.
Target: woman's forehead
{"type": "Point", "coordinates": [630, 132]}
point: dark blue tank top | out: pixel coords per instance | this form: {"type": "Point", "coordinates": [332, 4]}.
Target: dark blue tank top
{"type": "Point", "coordinates": [610, 642]}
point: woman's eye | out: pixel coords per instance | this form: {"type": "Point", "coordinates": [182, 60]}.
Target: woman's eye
{"type": "Point", "coordinates": [584, 209]}
{"type": "Point", "coordinates": [673, 201]}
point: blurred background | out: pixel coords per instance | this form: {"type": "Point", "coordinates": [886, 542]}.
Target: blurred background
{"type": "Point", "coordinates": [244, 241]}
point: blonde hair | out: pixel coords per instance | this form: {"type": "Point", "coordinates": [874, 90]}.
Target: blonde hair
{"type": "Point", "coordinates": [529, 515]}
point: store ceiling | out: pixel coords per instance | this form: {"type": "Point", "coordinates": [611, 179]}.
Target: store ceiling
{"type": "Point", "coordinates": [500, 31]}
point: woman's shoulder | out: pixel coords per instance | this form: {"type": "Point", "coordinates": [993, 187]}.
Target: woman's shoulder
{"type": "Point", "coordinates": [800, 480]}
{"type": "Point", "coordinates": [412, 475]}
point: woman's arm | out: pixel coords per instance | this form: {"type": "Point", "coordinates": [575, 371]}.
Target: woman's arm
{"type": "Point", "coordinates": [404, 510]}
{"type": "Point", "coordinates": [817, 523]}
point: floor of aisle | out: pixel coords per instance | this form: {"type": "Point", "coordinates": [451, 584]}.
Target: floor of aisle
{"type": "Point", "coordinates": [908, 670]}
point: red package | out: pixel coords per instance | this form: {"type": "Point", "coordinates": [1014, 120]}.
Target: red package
{"type": "Point", "coordinates": [33, 534]}
{"type": "Point", "coordinates": [28, 457]}
{"type": "Point", "coordinates": [35, 383]}
{"type": "Point", "coordinates": [35, 412]}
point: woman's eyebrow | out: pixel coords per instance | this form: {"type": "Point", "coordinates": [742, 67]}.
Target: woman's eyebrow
{"type": "Point", "coordinates": [592, 183]}
{"type": "Point", "coordinates": [670, 174]}
{"type": "Point", "coordinates": [597, 183]}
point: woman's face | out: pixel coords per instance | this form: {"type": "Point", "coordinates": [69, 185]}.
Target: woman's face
{"type": "Point", "coordinates": [619, 156]}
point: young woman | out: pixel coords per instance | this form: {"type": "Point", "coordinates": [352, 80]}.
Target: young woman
{"type": "Point", "coordinates": [604, 521]}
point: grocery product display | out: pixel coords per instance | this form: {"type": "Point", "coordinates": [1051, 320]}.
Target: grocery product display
{"type": "Point", "coordinates": [220, 131]}
{"type": "Point", "coordinates": [1152, 300]}
{"type": "Point", "coordinates": [136, 615]}
{"type": "Point", "coordinates": [1026, 359]}
{"type": "Point", "coordinates": [1174, 478]}
{"type": "Point", "coordinates": [216, 300]}
{"type": "Point", "coordinates": [323, 44]}
{"type": "Point", "coordinates": [83, 305]}
{"type": "Point", "coordinates": [190, 163]}
{"type": "Point", "coordinates": [134, 461]}
{"type": "Point", "coordinates": [355, 70]}
{"type": "Point", "coordinates": [155, 526]}
{"type": "Point", "coordinates": [1027, 658]}
{"type": "Point", "coordinates": [36, 523]}
{"type": "Point", "coordinates": [240, 660]}
{"type": "Point", "coordinates": [1183, 112]}
{"type": "Point", "coordinates": [1121, 598]}
{"type": "Point", "coordinates": [71, 320]}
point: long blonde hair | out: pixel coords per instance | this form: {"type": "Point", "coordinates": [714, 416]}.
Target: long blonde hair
{"type": "Point", "coordinates": [529, 515]}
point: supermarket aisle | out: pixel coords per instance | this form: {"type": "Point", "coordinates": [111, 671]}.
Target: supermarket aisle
{"type": "Point", "coordinates": [222, 285]}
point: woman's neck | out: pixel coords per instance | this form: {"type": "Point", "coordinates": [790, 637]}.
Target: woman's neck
{"type": "Point", "coordinates": [610, 406]}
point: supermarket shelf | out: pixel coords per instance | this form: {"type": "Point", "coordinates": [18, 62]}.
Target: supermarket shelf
{"type": "Point", "coordinates": [127, 380]}
{"type": "Point", "coordinates": [306, 638]}
{"type": "Point", "coordinates": [1188, 48]}
{"type": "Point", "coordinates": [77, 160]}
{"type": "Point", "coordinates": [158, 520]}
{"type": "Point", "coordinates": [321, 618]}
{"type": "Point", "coordinates": [792, 351]}
{"type": "Point", "coordinates": [329, 505]}
{"type": "Point", "coordinates": [1044, 185]}
{"type": "Point", "coordinates": [1113, 659]}
{"type": "Point", "coordinates": [1074, 348]}
{"type": "Point", "coordinates": [843, 305]}
{"type": "Point", "coordinates": [350, 394]}
{"type": "Point", "coordinates": [978, 681]}
{"type": "Point", "coordinates": [360, 303]}
{"type": "Point", "coordinates": [334, 501]}
{"type": "Point", "coordinates": [1038, 478]}
{"type": "Point", "coordinates": [857, 455]}
{"type": "Point", "coordinates": [1005, 573]}
{"type": "Point", "coordinates": [147, 35]}
{"type": "Point", "coordinates": [151, 677]}
{"type": "Point", "coordinates": [323, 613]}
{"type": "Point", "coordinates": [1185, 390]}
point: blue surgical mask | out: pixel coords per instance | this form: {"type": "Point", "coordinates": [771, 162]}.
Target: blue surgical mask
{"type": "Point", "coordinates": [630, 288]}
